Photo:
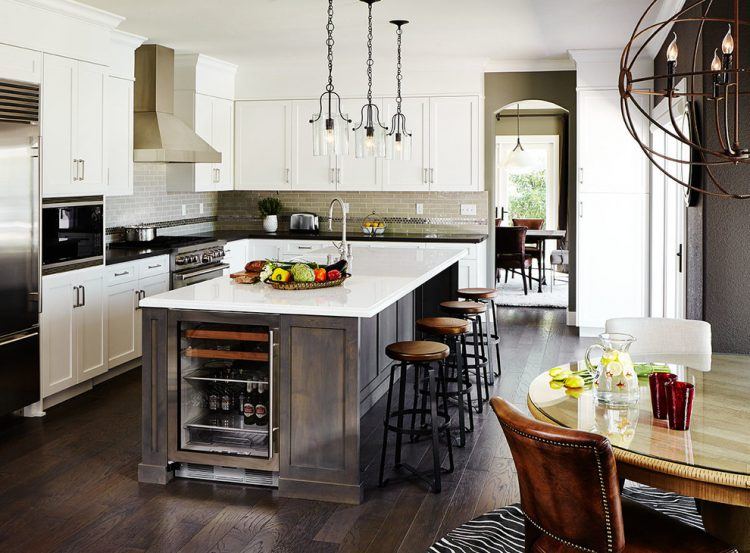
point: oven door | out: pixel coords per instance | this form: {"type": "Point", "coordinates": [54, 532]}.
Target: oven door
{"type": "Point", "coordinates": [200, 274]}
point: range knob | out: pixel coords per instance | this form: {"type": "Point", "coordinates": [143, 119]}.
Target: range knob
{"type": "Point", "coordinates": [180, 260]}
{"type": "Point", "coordinates": [206, 258]}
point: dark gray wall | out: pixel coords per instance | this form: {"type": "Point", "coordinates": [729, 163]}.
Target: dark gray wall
{"type": "Point", "coordinates": [558, 87]}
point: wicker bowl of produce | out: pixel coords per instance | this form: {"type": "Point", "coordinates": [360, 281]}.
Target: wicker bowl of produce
{"type": "Point", "coordinates": [295, 275]}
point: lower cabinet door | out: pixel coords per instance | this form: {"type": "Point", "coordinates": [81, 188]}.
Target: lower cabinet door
{"type": "Point", "coordinates": [57, 336]}
{"type": "Point", "coordinates": [122, 300]}
{"type": "Point", "coordinates": [90, 325]}
{"type": "Point", "coordinates": [467, 274]}
{"type": "Point", "coordinates": [148, 287]}
{"type": "Point", "coordinates": [236, 255]}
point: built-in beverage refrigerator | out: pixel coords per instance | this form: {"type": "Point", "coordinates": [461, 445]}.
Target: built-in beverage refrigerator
{"type": "Point", "coordinates": [223, 411]}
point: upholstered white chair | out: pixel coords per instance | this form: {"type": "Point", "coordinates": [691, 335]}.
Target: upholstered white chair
{"type": "Point", "coordinates": [664, 336]}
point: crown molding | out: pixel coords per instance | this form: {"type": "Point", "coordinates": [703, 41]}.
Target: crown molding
{"type": "Point", "coordinates": [191, 59]}
{"type": "Point", "coordinates": [70, 8]}
{"type": "Point", "coordinates": [131, 40]}
{"type": "Point", "coordinates": [525, 66]}
{"type": "Point", "coordinates": [602, 55]}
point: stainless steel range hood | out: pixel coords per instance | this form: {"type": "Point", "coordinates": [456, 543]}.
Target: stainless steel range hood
{"type": "Point", "coordinates": [158, 135]}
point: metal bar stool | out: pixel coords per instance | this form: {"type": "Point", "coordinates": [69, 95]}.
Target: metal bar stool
{"type": "Point", "coordinates": [452, 332]}
{"type": "Point", "coordinates": [487, 296]}
{"type": "Point", "coordinates": [420, 355]}
{"type": "Point", "coordinates": [479, 358]}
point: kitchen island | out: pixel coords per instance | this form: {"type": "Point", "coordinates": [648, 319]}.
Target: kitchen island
{"type": "Point", "coordinates": [324, 355]}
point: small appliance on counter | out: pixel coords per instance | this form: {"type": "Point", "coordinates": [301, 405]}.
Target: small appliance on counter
{"type": "Point", "coordinates": [304, 222]}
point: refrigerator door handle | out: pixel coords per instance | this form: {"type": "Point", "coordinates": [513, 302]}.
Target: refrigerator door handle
{"type": "Point", "coordinates": [18, 337]}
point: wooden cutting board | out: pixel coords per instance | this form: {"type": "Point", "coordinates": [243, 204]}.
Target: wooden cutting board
{"type": "Point", "coordinates": [245, 277]}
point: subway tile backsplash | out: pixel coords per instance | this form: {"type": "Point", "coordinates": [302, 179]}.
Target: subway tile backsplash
{"type": "Point", "coordinates": [152, 204]}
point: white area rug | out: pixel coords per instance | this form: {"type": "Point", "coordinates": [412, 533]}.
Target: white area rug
{"type": "Point", "coordinates": [512, 295]}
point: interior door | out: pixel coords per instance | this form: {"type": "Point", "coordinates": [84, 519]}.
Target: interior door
{"type": "Point", "coordinates": [409, 175]}
{"type": "Point", "coordinates": [58, 167]}
{"type": "Point", "coordinates": [223, 140]}
{"type": "Point", "coordinates": [309, 172]}
{"type": "Point", "coordinates": [264, 145]}
{"type": "Point", "coordinates": [90, 127]}
{"type": "Point", "coordinates": [354, 173]}
{"type": "Point", "coordinates": [454, 143]}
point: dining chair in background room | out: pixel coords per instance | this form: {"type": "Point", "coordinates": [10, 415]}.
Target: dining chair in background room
{"type": "Point", "coordinates": [534, 249]}
{"type": "Point", "coordinates": [510, 254]}
{"type": "Point", "coordinates": [656, 336]}
{"type": "Point", "coordinates": [571, 500]}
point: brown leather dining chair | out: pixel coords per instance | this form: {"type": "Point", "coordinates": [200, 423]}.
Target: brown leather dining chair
{"type": "Point", "coordinates": [510, 253]}
{"type": "Point", "coordinates": [534, 249]}
{"type": "Point", "coordinates": [571, 500]}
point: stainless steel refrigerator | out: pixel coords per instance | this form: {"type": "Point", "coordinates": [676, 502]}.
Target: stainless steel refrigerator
{"type": "Point", "coordinates": [20, 301]}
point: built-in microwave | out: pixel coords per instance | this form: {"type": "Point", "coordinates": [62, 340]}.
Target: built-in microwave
{"type": "Point", "coordinates": [72, 231]}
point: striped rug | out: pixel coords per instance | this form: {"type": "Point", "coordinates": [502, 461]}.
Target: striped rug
{"type": "Point", "coordinates": [501, 531]}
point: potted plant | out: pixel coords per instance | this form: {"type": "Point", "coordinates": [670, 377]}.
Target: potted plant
{"type": "Point", "coordinates": [270, 208]}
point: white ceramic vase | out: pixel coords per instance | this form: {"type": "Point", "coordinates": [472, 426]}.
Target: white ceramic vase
{"type": "Point", "coordinates": [271, 223]}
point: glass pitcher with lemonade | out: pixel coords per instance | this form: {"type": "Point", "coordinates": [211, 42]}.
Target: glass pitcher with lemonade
{"type": "Point", "coordinates": [615, 379]}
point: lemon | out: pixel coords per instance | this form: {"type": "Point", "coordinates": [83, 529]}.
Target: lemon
{"type": "Point", "coordinates": [556, 384]}
{"type": "Point", "coordinates": [614, 368]}
{"type": "Point", "coordinates": [574, 381]}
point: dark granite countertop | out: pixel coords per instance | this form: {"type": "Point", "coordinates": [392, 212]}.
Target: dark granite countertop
{"type": "Point", "coordinates": [229, 235]}
{"type": "Point", "coordinates": [121, 255]}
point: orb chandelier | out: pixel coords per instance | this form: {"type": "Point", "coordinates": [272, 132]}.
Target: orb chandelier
{"type": "Point", "coordinates": [718, 88]}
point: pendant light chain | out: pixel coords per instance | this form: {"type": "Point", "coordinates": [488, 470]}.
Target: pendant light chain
{"type": "Point", "coordinates": [329, 43]}
{"type": "Point", "coordinates": [370, 63]}
{"type": "Point", "coordinates": [399, 76]}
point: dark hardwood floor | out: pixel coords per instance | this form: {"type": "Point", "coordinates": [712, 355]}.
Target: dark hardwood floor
{"type": "Point", "coordinates": [68, 481]}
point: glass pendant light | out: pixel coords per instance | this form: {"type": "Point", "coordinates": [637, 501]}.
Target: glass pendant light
{"type": "Point", "coordinates": [398, 140]}
{"type": "Point", "coordinates": [519, 159]}
{"type": "Point", "coordinates": [330, 126]}
{"type": "Point", "coordinates": [369, 135]}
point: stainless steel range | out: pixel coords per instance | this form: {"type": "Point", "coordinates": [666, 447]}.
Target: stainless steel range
{"type": "Point", "coordinates": [195, 263]}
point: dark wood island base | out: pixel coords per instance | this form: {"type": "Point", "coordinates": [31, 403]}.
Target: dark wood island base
{"type": "Point", "coordinates": [328, 370]}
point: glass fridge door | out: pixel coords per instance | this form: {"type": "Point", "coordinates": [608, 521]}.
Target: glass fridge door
{"type": "Point", "coordinates": [225, 388]}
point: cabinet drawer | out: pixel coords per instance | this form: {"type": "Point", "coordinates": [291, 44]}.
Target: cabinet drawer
{"type": "Point", "coordinates": [152, 266]}
{"type": "Point", "coordinates": [471, 249]}
{"type": "Point", "coordinates": [122, 272]}
{"type": "Point", "coordinates": [301, 248]}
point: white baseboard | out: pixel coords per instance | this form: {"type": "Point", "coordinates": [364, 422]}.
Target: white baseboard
{"type": "Point", "coordinates": [83, 387]}
{"type": "Point", "coordinates": [572, 319]}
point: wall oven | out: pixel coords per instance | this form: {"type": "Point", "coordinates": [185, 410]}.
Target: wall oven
{"type": "Point", "coordinates": [72, 231]}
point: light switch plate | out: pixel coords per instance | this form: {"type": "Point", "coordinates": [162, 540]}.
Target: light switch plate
{"type": "Point", "coordinates": [200, 208]}
{"type": "Point", "coordinates": [184, 209]}
{"type": "Point", "coordinates": [468, 209]}
{"type": "Point", "coordinates": [420, 209]}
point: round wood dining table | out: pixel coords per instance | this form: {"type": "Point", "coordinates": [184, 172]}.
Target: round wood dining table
{"type": "Point", "coordinates": [710, 461]}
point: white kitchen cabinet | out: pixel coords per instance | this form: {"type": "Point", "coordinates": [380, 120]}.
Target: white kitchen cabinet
{"type": "Point", "coordinates": [353, 173]}
{"type": "Point", "coordinates": [454, 143]}
{"type": "Point", "coordinates": [264, 249]}
{"type": "Point", "coordinates": [20, 64]}
{"type": "Point", "coordinates": [309, 172]}
{"type": "Point", "coordinates": [73, 328]}
{"type": "Point", "coordinates": [263, 132]}
{"type": "Point", "coordinates": [213, 120]}
{"type": "Point", "coordinates": [412, 175]}
{"type": "Point", "coordinates": [72, 127]}
{"type": "Point", "coordinates": [119, 136]}
{"type": "Point", "coordinates": [149, 286]}
{"type": "Point", "coordinates": [236, 255]}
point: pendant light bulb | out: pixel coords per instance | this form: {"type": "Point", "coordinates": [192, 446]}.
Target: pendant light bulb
{"type": "Point", "coordinates": [673, 51]}
{"type": "Point", "coordinates": [716, 63]}
{"type": "Point", "coordinates": [727, 45]}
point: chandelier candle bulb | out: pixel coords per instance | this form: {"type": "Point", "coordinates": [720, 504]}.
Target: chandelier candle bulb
{"type": "Point", "coordinates": [672, 53]}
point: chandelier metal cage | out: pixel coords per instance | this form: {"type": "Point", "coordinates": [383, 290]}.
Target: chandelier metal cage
{"type": "Point", "coordinates": [330, 125]}
{"type": "Point", "coordinates": [718, 88]}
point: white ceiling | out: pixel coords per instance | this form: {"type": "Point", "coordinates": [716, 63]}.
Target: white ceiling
{"type": "Point", "coordinates": [274, 31]}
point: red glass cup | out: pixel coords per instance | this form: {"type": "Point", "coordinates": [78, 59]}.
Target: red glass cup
{"type": "Point", "coordinates": [656, 382]}
{"type": "Point", "coordinates": [679, 404]}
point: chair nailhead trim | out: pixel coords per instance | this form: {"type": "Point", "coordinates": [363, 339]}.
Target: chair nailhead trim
{"type": "Point", "coordinates": [605, 503]}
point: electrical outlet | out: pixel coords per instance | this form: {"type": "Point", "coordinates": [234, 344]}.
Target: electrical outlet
{"type": "Point", "coordinates": [420, 209]}
{"type": "Point", "coordinates": [184, 209]}
{"type": "Point", "coordinates": [468, 209]}
{"type": "Point", "coordinates": [346, 207]}
{"type": "Point", "coordinates": [200, 208]}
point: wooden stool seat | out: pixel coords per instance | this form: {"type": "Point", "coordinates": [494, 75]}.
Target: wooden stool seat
{"type": "Point", "coordinates": [477, 293]}
{"type": "Point", "coordinates": [464, 307]}
{"type": "Point", "coordinates": [443, 326]}
{"type": "Point", "coordinates": [417, 351]}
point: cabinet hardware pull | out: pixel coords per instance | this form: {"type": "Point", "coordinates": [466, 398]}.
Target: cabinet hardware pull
{"type": "Point", "coordinates": [304, 247]}
{"type": "Point", "coordinates": [425, 180]}
{"type": "Point", "coordinates": [338, 175]}
{"type": "Point", "coordinates": [432, 176]}
{"type": "Point", "coordinates": [580, 210]}
{"type": "Point", "coordinates": [286, 172]}
{"type": "Point", "coordinates": [331, 176]}
{"type": "Point", "coordinates": [78, 297]}
{"type": "Point", "coordinates": [122, 274]}
{"type": "Point", "coordinates": [75, 168]}
{"type": "Point", "coordinates": [83, 294]}
{"type": "Point", "coordinates": [580, 177]}
{"type": "Point", "coordinates": [154, 266]}
{"type": "Point", "coordinates": [83, 169]}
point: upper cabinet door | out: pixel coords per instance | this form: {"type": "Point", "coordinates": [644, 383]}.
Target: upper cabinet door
{"type": "Point", "coordinates": [58, 100]}
{"type": "Point", "coordinates": [89, 130]}
{"type": "Point", "coordinates": [205, 174]}
{"type": "Point", "coordinates": [410, 175]}
{"type": "Point", "coordinates": [264, 145]}
{"type": "Point", "coordinates": [352, 173]}
{"type": "Point", "coordinates": [309, 172]}
{"type": "Point", "coordinates": [454, 143]}
{"type": "Point", "coordinates": [223, 140]}
{"type": "Point", "coordinates": [119, 136]}
{"type": "Point", "coordinates": [602, 139]}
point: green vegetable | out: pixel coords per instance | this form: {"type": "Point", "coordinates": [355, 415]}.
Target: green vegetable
{"type": "Point", "coordinates": [303, 273]}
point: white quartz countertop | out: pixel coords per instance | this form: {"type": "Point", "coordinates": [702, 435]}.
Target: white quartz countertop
{"type": "Point", "coordinates": [380, 277]}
